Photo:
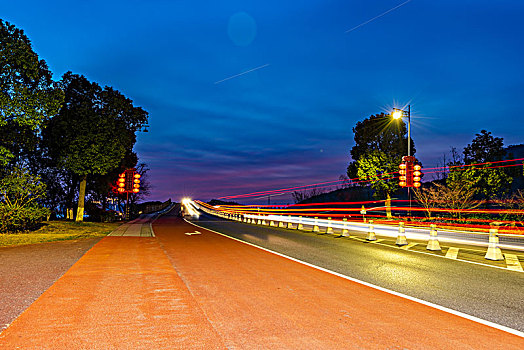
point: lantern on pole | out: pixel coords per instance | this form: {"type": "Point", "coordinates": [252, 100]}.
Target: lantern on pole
{"type": "Point", "coordinates": [417, 174]}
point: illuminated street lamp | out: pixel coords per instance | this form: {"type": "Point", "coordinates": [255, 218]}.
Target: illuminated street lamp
{"type": "Point", "coordinates": [398, 114]}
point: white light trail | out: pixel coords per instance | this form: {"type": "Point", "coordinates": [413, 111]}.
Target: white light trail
{"type": "Point", "coordinates": [377, 17]}
{"type": "Point", "coordinates": [239, 74]}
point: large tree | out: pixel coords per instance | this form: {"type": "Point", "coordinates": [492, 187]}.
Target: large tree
{"type": "Point", "coordinates": [380, 143]}
{"type": "Point", "coordinates": [93, 130]}
{"type": "Point", "coordinates": [28, 95]}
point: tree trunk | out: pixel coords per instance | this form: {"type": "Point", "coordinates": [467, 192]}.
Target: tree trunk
{"type": "Point", "coordinates": [70, 199]}
{"type": "Point", "coordinates": [388, 206]}
{"type": "Point", "coordinates": [81, 197]}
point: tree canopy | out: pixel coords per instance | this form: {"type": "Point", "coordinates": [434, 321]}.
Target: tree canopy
{"type": "Point", "coordinates": [382, 133]}
{"type": "Point", "coordinates": [484, 148]}
{"type": "Point", "coordinates": [485, 180]}
{"type": "Point", "coordinates": [93, 130]}
{"type": "Point", "coordinates": [378, 133]}
{"type": "Point", "coordinates": [28, 95]}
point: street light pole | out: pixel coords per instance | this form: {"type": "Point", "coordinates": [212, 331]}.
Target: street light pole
{"type": "Point", "coordinates": [409, 130]}
{"type": "Point", "coordinates": [398, 114]}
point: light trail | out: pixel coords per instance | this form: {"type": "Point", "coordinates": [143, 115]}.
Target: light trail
{"type": "Point", "coordinates": [476, 164]}
{"type": "Point", "coordinates": [357, 222]}
{"type": "Point", "coordinates": [357, 180]}
{"type": "Point", "coordinates": [239, 74]}
{"type": "Point", "coordinates": [377, 17]}
{"type": "Point", "coordinates": [353, 215]}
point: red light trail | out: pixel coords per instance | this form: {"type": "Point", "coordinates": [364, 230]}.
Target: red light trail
{"type": "Point", "coordinates": [327, 184]}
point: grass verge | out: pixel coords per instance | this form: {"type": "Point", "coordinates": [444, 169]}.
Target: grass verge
{"type": "Point", "coordinates": [51, 231]}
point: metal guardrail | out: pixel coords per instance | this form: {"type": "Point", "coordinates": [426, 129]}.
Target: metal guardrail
{"type": "Point", "coordinates": [506, 241]}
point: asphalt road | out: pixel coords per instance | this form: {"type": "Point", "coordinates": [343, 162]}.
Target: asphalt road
{"type": "Point", "coordinates": [489, 293]}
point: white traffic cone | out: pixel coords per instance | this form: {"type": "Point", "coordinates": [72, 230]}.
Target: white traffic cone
{"type": "Point", "coordinates": [494, 252]}
{"type": "Point", "coordinates": [371, 231]}
{"type": "Point", "coordinates": [433, 243]}
{"type": "Point", "coordinates": [315, 225]}
{"type": "Point", "coordinates": [290, 224]}
{"type": "Point", "coordinates": [401, 238]}
{"type": "Point", "coordinates": [345, 231]}
{"type": "Point", "coordinates": [329, 229]}
{"type": "Point", "coordinates": [300, 225]}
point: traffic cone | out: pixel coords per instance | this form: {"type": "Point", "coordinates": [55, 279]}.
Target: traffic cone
{"type": "Point", "coordinates": [264, 221]}
{"type": "Point", "coordinates": [433, 243]}
{"type": "Point", "coordinates": [315, 225]}
{"type": "Point", "coordinates": [290, 224]}
{"type": "Point", "coordinates": [272, 223]}
{"type": "Point", "coordinates": [371, 231]}
{"type": "Point", "coordinates": [494, 252]}
{"type": "Point", "coordinates": [300, 225]}
{"type": "Point", "coordinates": [345, 231]}
{"type": "Point", "coordinates": [401, 238]}
{"type": "Point", "coordinates": [259, 222]}
{"type": "Point", "coordinates": [329, 229]}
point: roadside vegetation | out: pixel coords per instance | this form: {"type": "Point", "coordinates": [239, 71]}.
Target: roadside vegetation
{"type": "Point", "coordinates": [50, 231]}
{"type": "Point", "coordinates": [62, 143]}
{"type": "Point", "coordinates": [482, 185]}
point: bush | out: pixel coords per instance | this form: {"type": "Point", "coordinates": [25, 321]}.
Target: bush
{"type": "Point", "coordinates": [97, 214]}
{"type": "Point", "coordinates": [20, 193]}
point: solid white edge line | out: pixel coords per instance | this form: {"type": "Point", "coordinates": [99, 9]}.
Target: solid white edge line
{"type": "Point", "coordinates": [427, 303]}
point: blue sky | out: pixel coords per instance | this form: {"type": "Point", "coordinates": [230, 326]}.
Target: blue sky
{"type": "Point", "coordinates": [458, 63]}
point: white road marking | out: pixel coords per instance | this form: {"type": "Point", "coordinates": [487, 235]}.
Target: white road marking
{"type": "Point", "coordinates": [452, 253]}
{"type": "Point", "coordinates": [193, 233]}
{"type": "Point", "coordinates": [513, 263]}
{"type": "Point", "coordinates": [410, 245]}
{"type": "Point", "coordinates": [389, 291]}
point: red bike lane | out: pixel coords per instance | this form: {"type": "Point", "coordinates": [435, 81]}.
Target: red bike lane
{"type": "Point", "coordinates": [122, 294]}
{"type": "Point", "coordinates": [256, 299]}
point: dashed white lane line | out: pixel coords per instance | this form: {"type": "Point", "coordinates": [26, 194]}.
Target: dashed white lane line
{"type": "Point", "coordinates": [452, 253]}
{"type": "Point", "coordinates": [513, 263]}
{"type": "Point", "coordinates": [410, 245]}
{"type": "Point", "coordinates": [436, 306]}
